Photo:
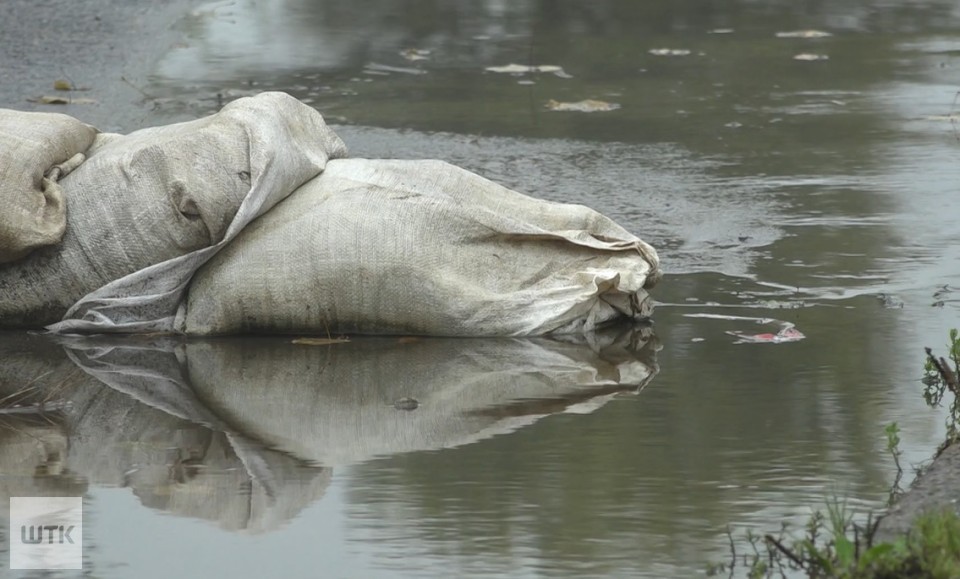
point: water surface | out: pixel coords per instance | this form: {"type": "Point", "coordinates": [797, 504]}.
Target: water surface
{"type": "Point", "coordinates": [817, 192]}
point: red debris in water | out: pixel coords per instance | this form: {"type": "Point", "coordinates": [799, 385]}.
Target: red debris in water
{"type": "Point", "coordinates": [787, 334]}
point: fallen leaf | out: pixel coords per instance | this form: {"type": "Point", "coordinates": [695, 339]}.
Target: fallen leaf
{"type": "Point", "coordinates": [525, 69]}
{"type": "Point", "coordinates": [810, 56]}
{"type": "Point", "coordinates": [62, 85]}
{"type": "Point", "coordinates": [510, 69]}
{"type": "Point", "coordinates": [320, 341]}
{"type": "Point", "coordinates": [60, 100]}
{"type": "Point", "coordinates": [414, 54]}
{"type": "Point", "coordinates": [585, 106]}
{"type": "Point", "coordinates": [669, 51]}
{"type": "Point", "coordinates": [406, 404]}
{"type": "Point", "coordinates": [804, 34]}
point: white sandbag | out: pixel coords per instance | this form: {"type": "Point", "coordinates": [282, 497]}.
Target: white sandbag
{"type": "Point", "coordinates": [159, 202]}
{"type": "Point", "coordinates": [421, 247]}
{"type": "Point", "coordinates": [36, 151]}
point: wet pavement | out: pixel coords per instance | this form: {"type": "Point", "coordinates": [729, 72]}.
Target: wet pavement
{"type": "Point", "coordinates": [815, 191]}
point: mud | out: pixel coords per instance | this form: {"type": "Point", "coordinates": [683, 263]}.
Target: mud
{"type": "Point", "coordinates": [107, 46]}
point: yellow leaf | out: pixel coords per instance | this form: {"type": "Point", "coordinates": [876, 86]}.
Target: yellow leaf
{"type": "Point", "coordinates": [61, 100]}
{"type": "Point", "coordinates": [585, 106]}
{"type": "Point", "coordinates": [811, 57]}
{"type": "Point", "coordinates": [803, 34]}
{"type": "Point", "coordinates": [320, 341]}
{"type": "Point", "coordinates": [669, 51]}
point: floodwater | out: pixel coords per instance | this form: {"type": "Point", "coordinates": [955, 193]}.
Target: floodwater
{"type": "Point", "coordinates": [816, 191]}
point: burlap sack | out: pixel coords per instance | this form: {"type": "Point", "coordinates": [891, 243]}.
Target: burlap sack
{"type": "Point", "coordinates": [36, 151]}
{"type": "Point", "coordinates": [421, 247]}
{"type": "Point", "coordinates": [159, 202]}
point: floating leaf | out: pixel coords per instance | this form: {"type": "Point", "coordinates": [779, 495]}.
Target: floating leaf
{"type": "Point", "coordinates": [406, 404]}
{"type": "Point", "coordinates": [585, 106]}
{"type": "Point", "coordinates": [320, 341]}
{"type": "Point", "coordinates": [61, 100]}
{"type": "Point", "coordinates": [808, 56]}
{"type": "Point", "coordinates": [510, 69]}
{"type": "Point", "coordinates": [414, 54]}
{"type": "Point", "coordinates": [62, 85]}
{"type": "Point", "coordinates": [669, 51]}
{"type": "Point", "coordinates": [804, 34]}
{"type": "Point", "coordinates": [525, 69]}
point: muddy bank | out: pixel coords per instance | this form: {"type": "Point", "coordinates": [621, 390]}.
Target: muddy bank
{"type": "Point", "coordinates": [938, 487]}
{"type": "Point", "coordinates": [108, 46]}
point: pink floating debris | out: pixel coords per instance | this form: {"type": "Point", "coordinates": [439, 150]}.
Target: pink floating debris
{"type": "Point", "coordinates": [787, 332]}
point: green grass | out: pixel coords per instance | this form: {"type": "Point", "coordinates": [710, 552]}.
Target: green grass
{"type": "Point", "coordinates": [833, 546]}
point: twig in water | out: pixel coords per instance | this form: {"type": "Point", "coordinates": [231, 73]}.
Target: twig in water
{"type": "Point", "coordinates": [786, 552]}
{"type": "Point", "coordinates": [138, 89]}
{"type": "Point", "coordinates": [945, 372]}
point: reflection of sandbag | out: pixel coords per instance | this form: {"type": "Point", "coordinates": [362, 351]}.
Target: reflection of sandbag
{"type": "Point", "coordinates": [371, 397]}
{"type": "Point", "coordinates": [171, 458]}
{"type": "Point", "coordinates": [348, 402]}
{"type": "Point", "coordinates": [184, 468]}
{"type": "Point", "coordinates": [232, 430]}
{"type": "Point", "coordinates": [34, 446]}
{"type": "Point", "coordinates": [421, 247]}
{"type": "Point", "coordinates": [36, 151]}
{"type": "Point", "coordinates": [158, 194]}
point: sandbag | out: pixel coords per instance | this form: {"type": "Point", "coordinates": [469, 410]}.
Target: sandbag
{"type": "Point", "coordinates": [421, 247]}
{"type": "Point", "coordinates": [36, 151]}
{"type": "Point", "coordinates": [159, 202]}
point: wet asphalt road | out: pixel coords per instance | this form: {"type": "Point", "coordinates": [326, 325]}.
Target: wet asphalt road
{"type": "Point", "coordinates": [93, 43]}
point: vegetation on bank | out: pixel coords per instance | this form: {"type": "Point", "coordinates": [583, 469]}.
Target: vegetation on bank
{"type": "Point", "coordinates": [833, 545]}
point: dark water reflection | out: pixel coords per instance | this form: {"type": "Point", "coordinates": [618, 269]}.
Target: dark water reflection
{"type": "Point", "coordinates": [774, 187]}
{"type": "Point", "coordinates": [245, 433]}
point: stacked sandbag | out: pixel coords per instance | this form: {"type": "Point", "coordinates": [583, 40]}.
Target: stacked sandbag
{"type": "Point", "coordinates": [36, 151]}
{"type": "Point", "coordinates": [421, 247]}
{"type": "Point", "coordinates": [152, 202]}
